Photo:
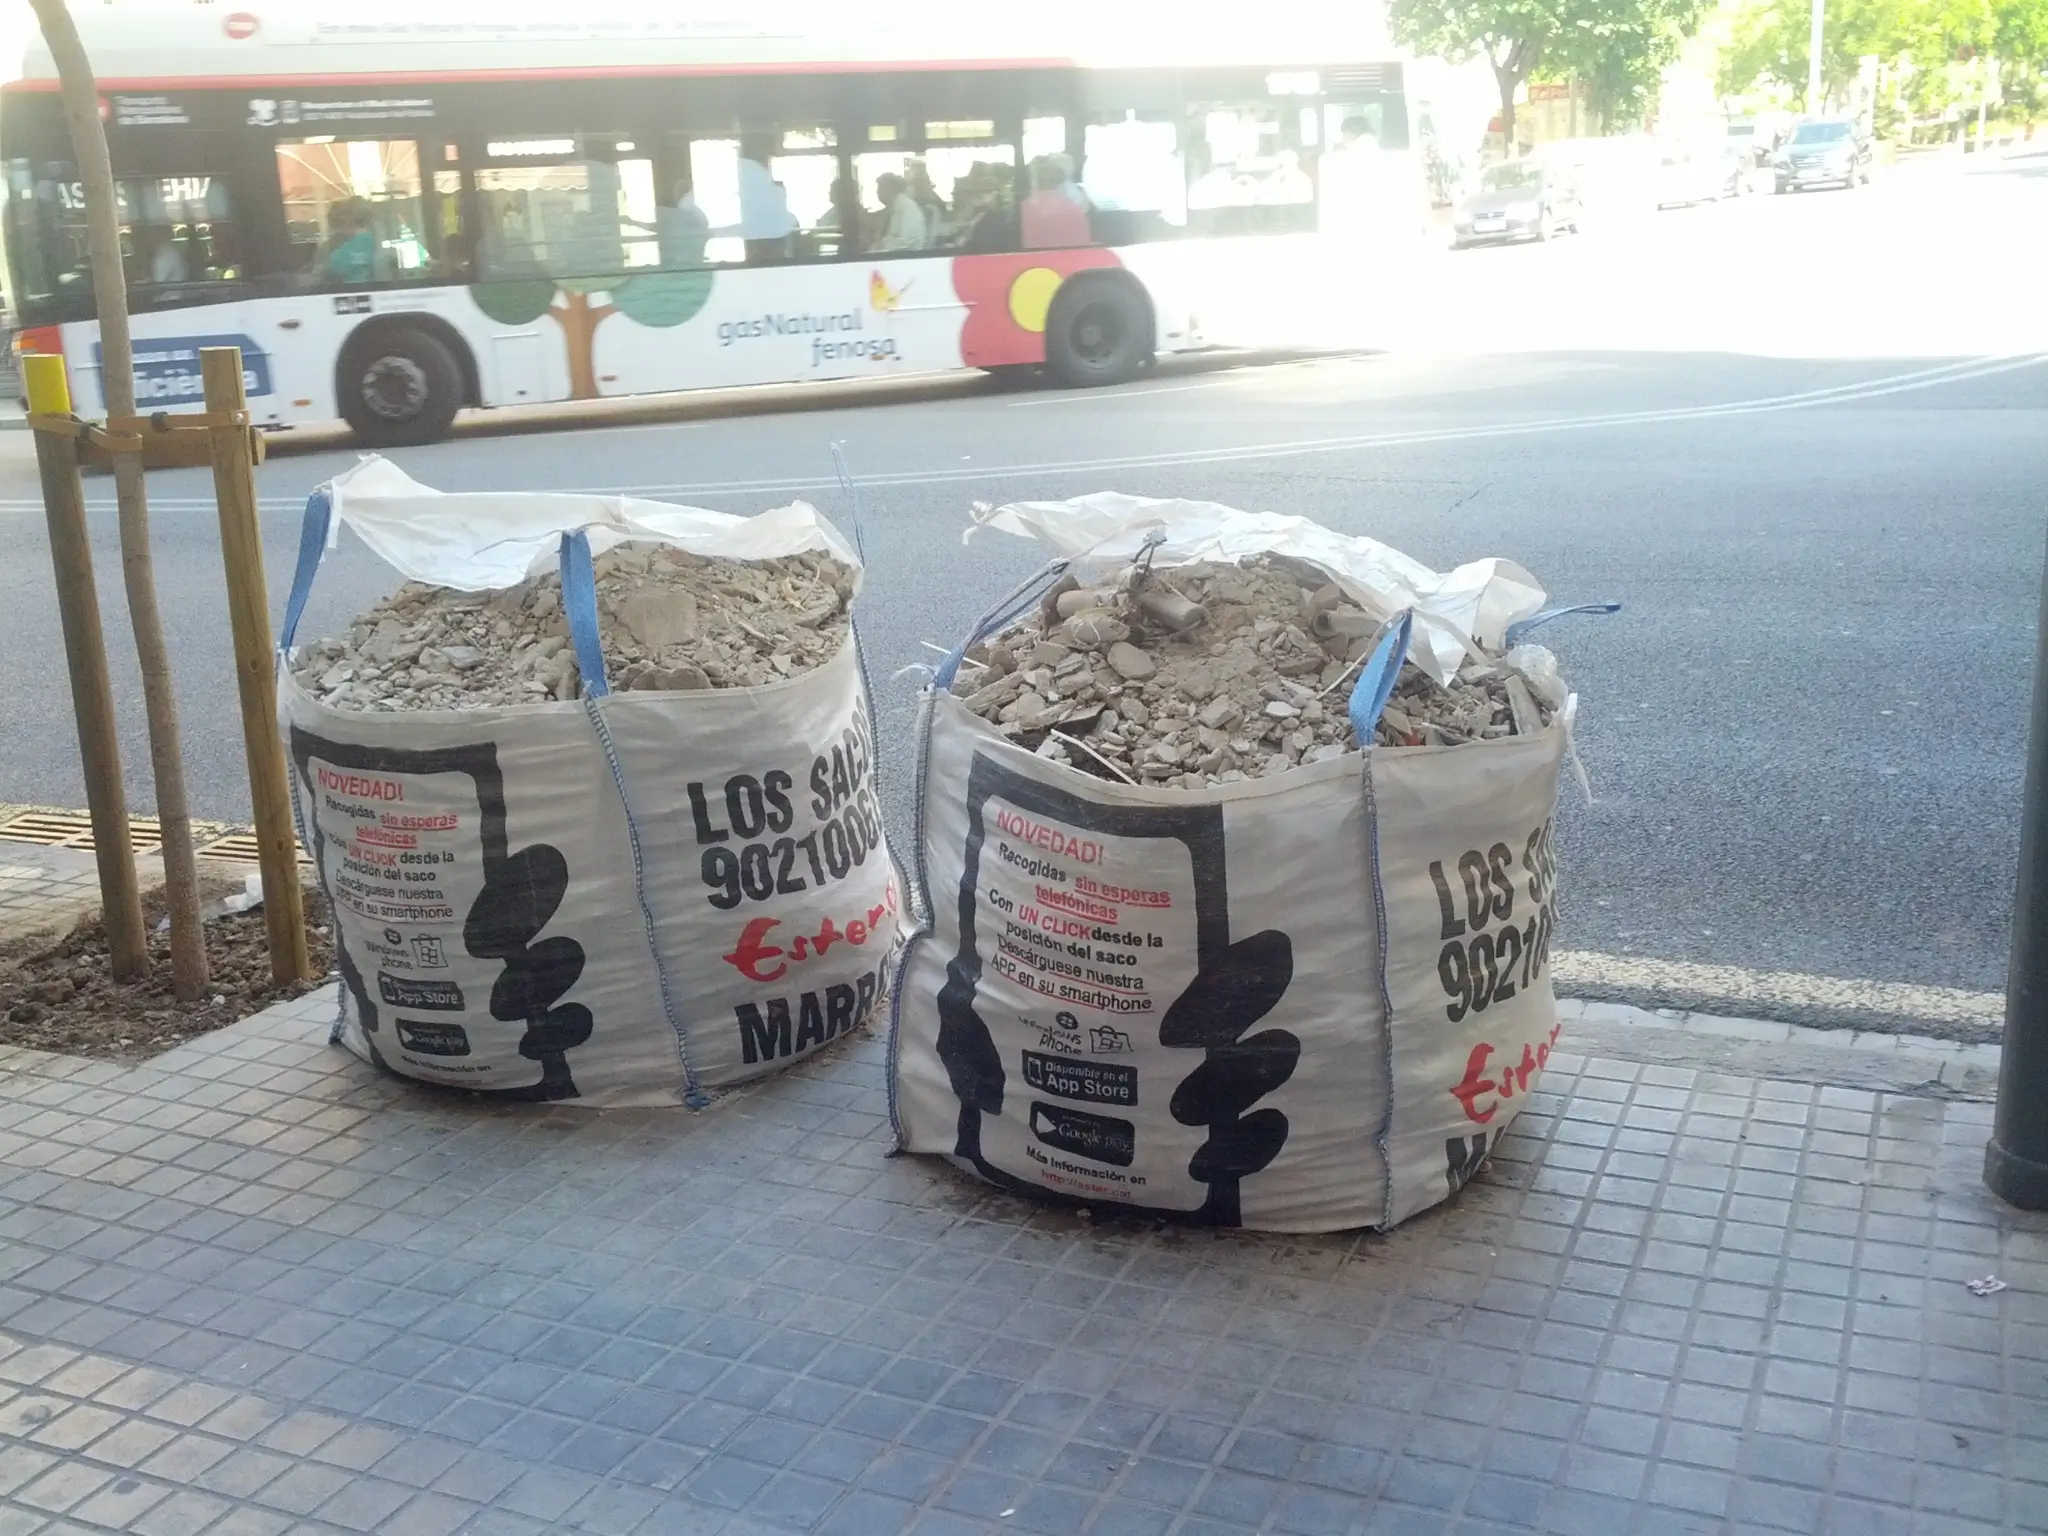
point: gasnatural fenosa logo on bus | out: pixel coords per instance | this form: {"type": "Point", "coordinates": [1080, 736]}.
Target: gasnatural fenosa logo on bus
{"type": "Point", "coordinates": [835, 336]}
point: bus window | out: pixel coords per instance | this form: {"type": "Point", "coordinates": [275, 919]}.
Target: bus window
{"type": "Point", "coordinates": [807, 171]}
{"type": "Point", "coordinates": [1044, 134]}
{"type": "Point", "coordinates": [769, 195]}
{"type": "Point", "coordinates": [1135, 179]}
{"type": "Point", "coordinates": [584, 214]}
{"type": "Point", "coordinates": [957, 192]}
{"type": "Point", "coordinates": [353, 211]}
{"type": "Point", "coordinates": [983, 194]}
{"type": "Point", "coordinates": [972, 182]}
{"type": "Point", "coordinates": [1245, 171]}
{"type": "Point", "coordinates": [900, 208]}
{"type": "Point", "coordinates": [176, 234]}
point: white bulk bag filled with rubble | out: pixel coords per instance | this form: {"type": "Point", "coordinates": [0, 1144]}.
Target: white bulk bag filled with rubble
{"type": "Point", "coordinates": [628, 898]}
{"type": "Point", "coordinates": [1307, 1001]}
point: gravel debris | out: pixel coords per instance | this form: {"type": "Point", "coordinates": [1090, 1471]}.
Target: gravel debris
{"type": "Point", "coordinates": [668, 620]}
{"type": "Point", "coordinates": [1200, 675]}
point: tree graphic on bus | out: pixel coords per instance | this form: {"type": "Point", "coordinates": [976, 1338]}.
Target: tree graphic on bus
{"type": "Point", "coordinates": [660, 299]}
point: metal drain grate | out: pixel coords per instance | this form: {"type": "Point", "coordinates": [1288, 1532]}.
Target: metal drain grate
{"type": "Point", "coordinates": [73, 829]}
{"type": "Point", "coordinates": [239, 848]}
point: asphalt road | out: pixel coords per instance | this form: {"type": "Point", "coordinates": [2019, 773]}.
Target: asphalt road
{"type": "Point", "coordinates": [1804, 440]}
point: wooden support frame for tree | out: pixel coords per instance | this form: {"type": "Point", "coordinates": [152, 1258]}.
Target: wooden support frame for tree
{"type": "Point", "coordinates": [220, 437]}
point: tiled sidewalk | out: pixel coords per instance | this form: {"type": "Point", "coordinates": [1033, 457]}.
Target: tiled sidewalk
{"type": "Point", "coordinates": [251, 1288]}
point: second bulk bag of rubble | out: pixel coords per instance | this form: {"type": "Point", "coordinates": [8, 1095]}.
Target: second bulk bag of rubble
{"type": "Point", "coordinates": [1179, 946]}
{"type": "Point", "coordinates": [592, 795]}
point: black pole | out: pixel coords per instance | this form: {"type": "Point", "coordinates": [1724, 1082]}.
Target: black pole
{"type": "Point", "coordinates": [2016, 1157]}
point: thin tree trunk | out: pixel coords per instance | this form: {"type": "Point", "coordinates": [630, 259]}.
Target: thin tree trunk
{"type": "Point", "coordinates": [117, 385]}
{"type": "Point", "coordinates": [1507, 83]}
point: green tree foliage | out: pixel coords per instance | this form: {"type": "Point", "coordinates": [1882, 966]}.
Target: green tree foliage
{"type": "Point", "coordinates": [660, 299]}
{"type": "Point", "coordinates": [1512, 35]}
{"type": "Point", "coordinates": [2019, 34]}
{"type": "Point", "coordinates": [1771, 41]}
{"type": "Point", "coordinates": [1619, 46]}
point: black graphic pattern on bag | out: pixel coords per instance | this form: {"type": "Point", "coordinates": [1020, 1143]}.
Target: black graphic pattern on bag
{"type": "Point", "coordinates": [1462, 1157]}
{"type": "Point", "coordinates": [521, 893]}
{"type": "Point", "coordinates": [1231, 993]}
{"type": "Point", "coordinates": [1234, 987]}
{"type": "Point", "coordinates": [519, 898]}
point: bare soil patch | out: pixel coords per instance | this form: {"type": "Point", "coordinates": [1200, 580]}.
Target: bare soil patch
{"type": "Point", "coordinates": [57, 994]}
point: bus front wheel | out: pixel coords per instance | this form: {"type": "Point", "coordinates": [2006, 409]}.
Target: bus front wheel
{"type": "Point", "coordinates": [1099, 331]}
{"type": "Point", "coordinates": [399, 387]}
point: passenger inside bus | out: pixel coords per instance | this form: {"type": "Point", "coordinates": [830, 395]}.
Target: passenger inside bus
{"type": "Point", "coordinates": [166, 261]}
{"type": "Point", "coordinates": [1056, 214]}
{"type": "Point", "coordinates": [906, 226]}
{"type": "Point", "coordinates": [838, 231]}
{"type": "Point", "coordinates": [456, 257]}
{"type": "Point", "coordinates": [985, 208]}
{"type": "Point", "coordinates": [350, 254]}
{"type": "Point", "coordinates": [917, 181]}
{"type": "Point", "coordinates": [681, 230]}
{"type": "Point", "coordinates": [1348, 172]}
{"type": "Point", "coordinates": [766, 223]}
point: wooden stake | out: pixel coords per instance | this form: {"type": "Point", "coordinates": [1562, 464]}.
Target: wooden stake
{"type": "Point", "coordinates": [85, 655]}
{"type": "Point", "coordinates": [80, 95]}
{"type": "Point", "coordinates": [241, 549]}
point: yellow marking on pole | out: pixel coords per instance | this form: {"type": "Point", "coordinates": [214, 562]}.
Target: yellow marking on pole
{"type": "Point", "coordinates": [49, 386]}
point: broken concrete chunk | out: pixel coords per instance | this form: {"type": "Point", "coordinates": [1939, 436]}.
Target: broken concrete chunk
{"type": "Point", "coordinates": [993, 696]}
{"type": "Point", "coordinates": [658, 618]}
{"type": "Point", "coordinates": [1131, 663]}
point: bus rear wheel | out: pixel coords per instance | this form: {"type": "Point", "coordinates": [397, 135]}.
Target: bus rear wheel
{"type": "Point", "coordinates": [399, 387]}
{"type": "Point", "coordinates": [1099, 331]}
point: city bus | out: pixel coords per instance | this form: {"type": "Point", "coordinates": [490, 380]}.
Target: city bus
{"type": "Point", "coordinates": [399, 212]}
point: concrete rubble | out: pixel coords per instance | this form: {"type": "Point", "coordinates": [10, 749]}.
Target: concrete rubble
{"type": "Point", "coordinates": [668, 620]}
{"type": "Point", "coordinates": [1202, 675]}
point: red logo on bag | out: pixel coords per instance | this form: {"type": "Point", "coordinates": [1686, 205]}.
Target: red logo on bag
{"type": "Point", "coordinates": [239, 25]}
{"type": "Point", "coordinates": [1512, 1080]}
{"type": "Point", "coordinates": [758, 960]}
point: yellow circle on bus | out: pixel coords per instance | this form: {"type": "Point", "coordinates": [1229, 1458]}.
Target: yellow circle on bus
{"type": "Point", "coordinates": [1031, 297]}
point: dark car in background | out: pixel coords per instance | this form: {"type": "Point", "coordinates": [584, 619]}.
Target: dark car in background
{"type": "Point", "coordinates": [1823, 152]}
{"type": "Point", "coordinates": [1518, 200]}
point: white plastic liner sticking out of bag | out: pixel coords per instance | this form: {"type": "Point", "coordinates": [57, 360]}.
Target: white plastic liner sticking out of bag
{"type": "Point", "coordinates": [1307, 1002]}
{"type": "Point", "coordinates": [633, 898]}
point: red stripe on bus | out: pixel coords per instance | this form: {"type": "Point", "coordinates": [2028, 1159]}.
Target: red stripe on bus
{"type": "Point", "coordinates": [500, 76]}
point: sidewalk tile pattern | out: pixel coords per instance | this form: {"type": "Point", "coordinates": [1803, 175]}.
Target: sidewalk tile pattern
{"type": "Point", "coordinates": [251, 1288]}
